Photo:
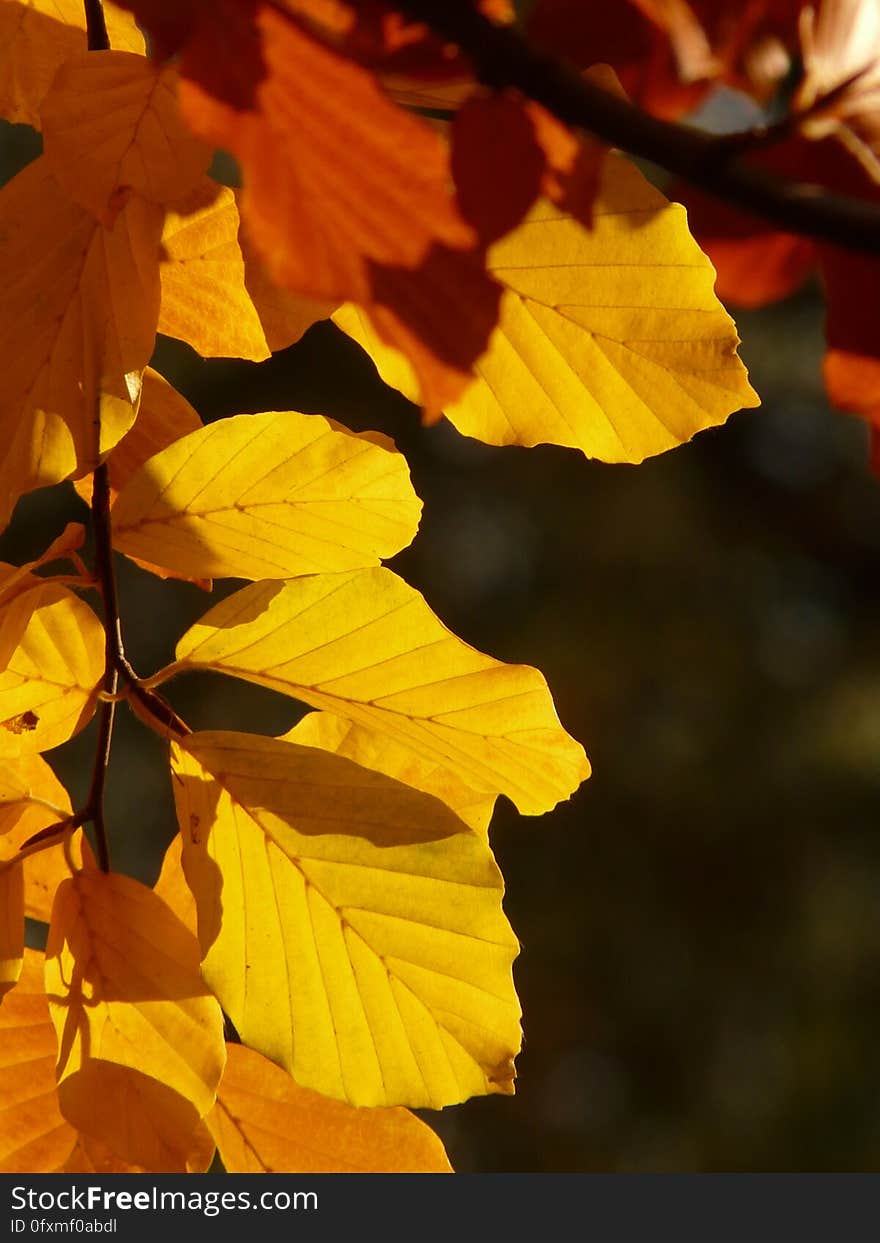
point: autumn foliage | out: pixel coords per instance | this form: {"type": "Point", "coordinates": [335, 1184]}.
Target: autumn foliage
{"type": "Point", "coordinates": [325, 947]}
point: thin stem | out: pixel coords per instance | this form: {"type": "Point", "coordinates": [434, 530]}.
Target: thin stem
{"type": "Point", "coordinates": [99, 41]}
{"type": "Point", "coordinates": [502, 58]}
{"type": "Point", "coordinates": [114, 656]}
{"type": "Point", "coordinates": [96, 26]}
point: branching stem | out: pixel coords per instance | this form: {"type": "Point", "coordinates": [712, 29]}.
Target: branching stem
{"type": "Point", "coordinates": [502, 58]}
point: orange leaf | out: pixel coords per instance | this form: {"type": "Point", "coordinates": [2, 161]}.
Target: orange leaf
{"type": "Point", "coordinates": [346, 195]}
{"type": "Point", "coordinates": [11, 925]}
{"type": "Point", "coordinates": [497, 162]}
{"type": "Point", "coordinates": [204, 298]}
{"type": "Point", "coordinates": [34, 1137]}
{"type": "Point", "coordinates": [111, 127]}
{"type": "Point", "coordinates": [755, 263]}
{"type": "Point", "coordinates": [39, 801]}
{"type": "Point", "coordinates": [621, 35]}
{"type": "Point", "coordinates": [140, 1039]}
{"type": "Point", "coordinates": [337, 177]}
{"type": "Point", "coordinates": [36, 37]}
{"type": "Point", "coordinates": [265, 1123]}
{"type": "Point", "coordinates": [285, 315]}
{"type": "Point", "coordinates": [78, 310]}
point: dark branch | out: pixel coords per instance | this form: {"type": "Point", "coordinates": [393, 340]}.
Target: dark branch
{"type": "Point", "coordinates": [96, 26]}
{"type": "Point", "coordinates": [113, 657]}
{"type": "Point", "coordinates": [502, 58]}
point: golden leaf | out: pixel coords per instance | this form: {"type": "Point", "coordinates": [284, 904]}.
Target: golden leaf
{"type": "Point", "coordinates": [11, 926]}
{"type": "Point", "coordinates": [52, 659]}
{"type": "Point", "coordinates": [40, 802]}
{"type": "Point", "coordinates": [111, 127]}
{"type": "Point", "coordinates": [351, 927]}
{"type": "Point", "coordinates": [205, 301]}
{"type": "Point", "coordinates": [78, 311]}
{"type": "Point", "coordinates": [611, 339]}
{"type": "Point", "coordinates": [34, 1137]}
{"type": "Point", "coordinates": [37, 37]}
{"type": "Point", "coordinates": [163, 416]}
{"type": "Point", "coordinates": [265, 1123]}
{"type": "Point", "coordinates": [386, 755]}
{"type": "Point", "coordinates": [268, 496]}
{"type": "Point", "coordinates": [366, 646]}
{"type": "Point", "coordinates": [140, 1039]}
{"type": "Point", "coordinates": [171, 886]}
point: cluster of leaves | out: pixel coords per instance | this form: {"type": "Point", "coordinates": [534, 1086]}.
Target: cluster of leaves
{"type": "Point", "coordinates": [814, 71]}
{"type": "Point", "coordinates": [332, 893]}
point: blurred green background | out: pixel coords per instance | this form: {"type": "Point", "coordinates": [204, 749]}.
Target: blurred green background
{"type": "Point", "coordinates": [700, 973]}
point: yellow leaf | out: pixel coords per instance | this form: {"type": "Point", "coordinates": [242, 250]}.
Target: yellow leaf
{"type": "Point", "coordinates": [38, 36]}
{"type": "Point", "coordinates": [17, 578]}
{"type": "Point", "coordinates": [268, 496]}
{"type": "Point", "coordinates": [351, 928]}
{"type": "Point", "coordinates": [111, 127]}
{"type": "Point", "coordinates": [41, 801]}
{"type": "Point", "coordinates": [52, 659]}
{"type": "Point", "coordinates": [265, 1123]}
{"type": "Point", "coordinates": [11, 925]}
{"type": "Point", "coordinates": [611, 339]}
{"type": "Point", "coordinates": [385, 755]}
{"type": "Point", "coordinates": [78, 311]}
{"type": "Point", "coordinates": [34, 1137]}
{"type": "Point", "coordinates": [44, 873]}
{"type": "Point", "coordinates": [366, 646]}
{"type": "Point", "coordinates": [205, 301]}
{"type": "Point", "coordinates": [140, 1039]}
{"type": "Point", "coordinates": [163, 416]}
{"type": "Point", "coordinates": [31, 797]}
{"type": "Point", "coordinates": [171, 886]}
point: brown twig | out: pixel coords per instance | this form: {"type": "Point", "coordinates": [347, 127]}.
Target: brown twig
{"type": "Point", "coordinates": [114, 656]}
{"type": "Point", "coordinates": [96, 26]}
{"type": "Point", "coordinates": [502, 58]}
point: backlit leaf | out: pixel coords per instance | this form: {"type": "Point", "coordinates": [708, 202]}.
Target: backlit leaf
{"type": "Point", "coordinates": [366, 646]}
{"type": "Point", "coordinates": [78, 311]}
{"type": "Point", "coordinates": [345, 194]}
{"type": "Point", "coordinates": [336, 176]}
{"type": "Point", "coordinates": [386, 755]}
{"type": "Point", "coordinates": [171, 886]}
{"type": "Point", "coordinates": [163, 416]}
{"type": "Point", "coordinates": [111, 127]}
{"type": "Point", "coordinates": [91, 1156]}
{"type": "Point", "coordinates": [611, 340]}
{"type": "Point", "coordinates": [11, 925]}
{"type": "Point", "coordinates": [350, 928]}
{"type": "Point", "coordinates": [140, 1039]}
{"type": "Point", "coordinates": [36, 37]}
{"type": "Point", "coordinates": [265, 1123]}
{"type": "Point", "coordinates": [44, 873]}
{"type": "Point", "coordinates": [268, 496]}
{"type": "Point", "coordinates": [41, 801]}
{"type": "Point", "coordinates": [34, 1137]}
{"type": "Point", "coordinates": [284, 315]}
{"type": "Point", "coordinates": [14, 579]}
{"type": "Point", "coordinates": [204, 298]}
{"type": "Point", "coordinates": [52, 658]}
